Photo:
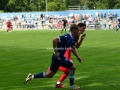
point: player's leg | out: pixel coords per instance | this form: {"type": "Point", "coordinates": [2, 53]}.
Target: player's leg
{"type": "Point", "coordinates": [69, 65]}
{"type": "Point", "coordinates": [63, 29]}
{"type": "Point", "coordinates": [7, 29]}
{"type": "Point", "coordinates": [49, 74]}
{"type": "Point", "coordinates": [72, 78]}
{"type": "Point", "coordinates": [63, 77]}
{"type": "Point", "coordinates": [117, 29]}
{"type": "Point", "coordinates": [48, 69]}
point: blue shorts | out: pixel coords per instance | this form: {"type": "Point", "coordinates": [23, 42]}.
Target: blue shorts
{"type": "Point", "coordinates": [118, 25]}
{"type": "Point", "coordinates": [56, 63]}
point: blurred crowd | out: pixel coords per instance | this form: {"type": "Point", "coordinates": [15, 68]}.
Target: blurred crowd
{"type": "Point", "coordinates": [98, 21]}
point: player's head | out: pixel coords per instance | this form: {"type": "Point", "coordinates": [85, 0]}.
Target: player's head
{"type": "Point", "coordinates": [64, 18]}
{"type": "Point", "coordinates": [82, 27]}
{"type": "Point", "coordinates": [74, 30]}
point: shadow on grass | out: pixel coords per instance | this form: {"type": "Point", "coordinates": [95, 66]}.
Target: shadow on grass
{"type": "Point", "coordinates": [93, 74]}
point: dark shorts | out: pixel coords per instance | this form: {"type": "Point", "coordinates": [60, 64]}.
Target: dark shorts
{"type": "Point", "coordinates": [64, 25]}
{"type": "Point", "coordinates": [119, 25]}
{"type": "Point", "coordinates": [55, 64]}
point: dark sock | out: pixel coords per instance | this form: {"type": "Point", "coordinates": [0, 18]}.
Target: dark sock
{"type": "Point", "coordinates": [65, 30]}
{"type": "Point", "coordinates": [62, 31]}
{"type": "Point", "coordinates": [40, 75]}
{"type": "Point", "coordinates": [71, 80]}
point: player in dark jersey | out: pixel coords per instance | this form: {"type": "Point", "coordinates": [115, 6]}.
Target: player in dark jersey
{"type": "Point", "coordinates": [64, 24]}
{"type": "Point", "coordinates": [118, 26]}
{"type": "Point", "coordinates": [67, 54]}
{"type": "Point", "coordinates": [60, 45]}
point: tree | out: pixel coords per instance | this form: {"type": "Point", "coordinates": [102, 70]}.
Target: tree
{"type": "Point", "coordinates": [54, 5]}
{"type": "Point", "coordinates": [3, 4]}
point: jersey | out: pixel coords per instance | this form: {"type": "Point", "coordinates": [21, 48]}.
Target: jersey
{"type": "Point", "coordinates": [118, 20]}
{"type": "Point", "coordinates": [65, 42]}
{"type": "Point", "coordinates": [68, 51]}
{"type": "Point", "coordinates": [118, 23]}
{"type": "Point", "coordinates": [8, 24]}
{"type": "Point", "coordinates": [72, 22]}
{"type": "Point", "coordinates": [64, 22]}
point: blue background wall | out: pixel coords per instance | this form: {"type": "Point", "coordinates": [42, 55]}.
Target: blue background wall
{"type": "Point", "coordinates": [8, 15]}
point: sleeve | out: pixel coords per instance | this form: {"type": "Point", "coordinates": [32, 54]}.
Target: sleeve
{"type": "Point", "coordinates": [63, 39]}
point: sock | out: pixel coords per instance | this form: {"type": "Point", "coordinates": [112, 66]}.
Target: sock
{"type": "Point", "coordinates": [72, 86]}
{"type": "Point", "coordinates": [62, 30]}
{"type": "Point", "coordinates": [63, 77]}
{"type": "Point", "coordinates": [58, 82]}
{"type": "Point", "coordinates": [65, 30]}
{"type": "Point", "coordinates": [71, 80]}
{"type": "Point", "coordinates": [40, 75]}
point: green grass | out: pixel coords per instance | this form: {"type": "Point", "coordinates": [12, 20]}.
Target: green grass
{"type": "Point", "coordinates": [22, 52]}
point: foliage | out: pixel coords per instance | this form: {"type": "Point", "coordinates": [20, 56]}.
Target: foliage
{"type": "Point", "coordinates": [55, 5]}
{"type": "Point", "coordinates": [1, 11]}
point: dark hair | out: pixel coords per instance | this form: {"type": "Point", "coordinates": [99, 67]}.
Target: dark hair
{"type": "Point", "coordinates": [42, 15]}
{"type": "Point", "coordinates": [73, 26]}
{"type": "Point", "coordinates": [81, 24]}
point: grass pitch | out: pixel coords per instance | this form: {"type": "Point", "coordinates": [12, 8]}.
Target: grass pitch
{"type": "Point", "coordinates": [22, 52]}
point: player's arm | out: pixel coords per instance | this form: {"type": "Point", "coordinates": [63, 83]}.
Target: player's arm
{"type": "Point", "coordinates": [78, 44]}
{"type": "Point", "coordinates": [60, 39]}
{"type": "Point", "coordinates": [76, 54]}
{"type": "Point", "coordinates": [55, 42]}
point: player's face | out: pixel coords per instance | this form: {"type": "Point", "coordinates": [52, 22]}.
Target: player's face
{"type": "Point", "coordinates": [82, 29]}
{"type": "Point", "coordinates": [76, 32]}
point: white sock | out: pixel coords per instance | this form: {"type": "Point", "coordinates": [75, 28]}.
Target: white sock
{"type": "Point", "coordinates": [32, 77]}
{"type": "Point", "coordinates": [43, 74]}
{"type": "Point", "coordinates": [58, 82]}
{"type": "Point", "coordinates": [72, 86]}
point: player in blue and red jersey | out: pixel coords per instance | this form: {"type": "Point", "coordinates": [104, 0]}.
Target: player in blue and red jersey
{"type": "Point", "coordinates": [118, 26]}
{"type": "Point", "coordinates": [60, 45]}
{"type": "Point", "coordinates": [67, 54]}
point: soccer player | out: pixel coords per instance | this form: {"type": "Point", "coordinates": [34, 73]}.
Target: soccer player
{"type": "Point", "coordinates": [67, 54]}
{"type": "Point", "coordinates": [60, 45]}
{"type": "Point", "coordinates": [9, 25]}
{"type": "Point", "coordinates": [64, 24]}
{"type": "Point", "coordinates": [118, 27]}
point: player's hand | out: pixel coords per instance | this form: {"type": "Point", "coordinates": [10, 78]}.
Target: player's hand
{"type": "Point", "coordinates": [83, 36]}
{"type": "Point", "coordinates": [79, 59]}
{"type": "Point", "coordinates": [57, 55]}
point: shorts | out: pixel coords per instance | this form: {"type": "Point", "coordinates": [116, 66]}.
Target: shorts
{"type": "Point", "coordinates": [64, 26]}
{"type": "Point", "coordinates": [62, 61]}
{"type": "Point", "coordinates": [8, 27]}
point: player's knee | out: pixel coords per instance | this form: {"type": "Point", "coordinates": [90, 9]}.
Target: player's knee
{"type": "Point", "coordinates": [49, 76]}
{"type": "Point", "coordinates": [73, 68]}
